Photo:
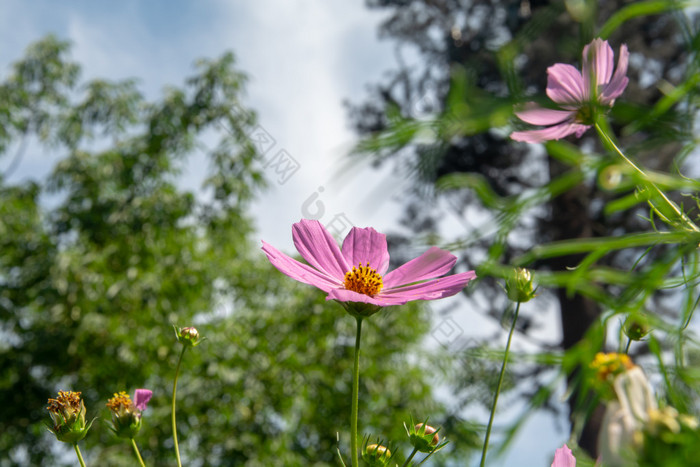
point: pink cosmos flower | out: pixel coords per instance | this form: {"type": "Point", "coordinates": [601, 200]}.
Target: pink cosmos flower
{"type": "Point", "coordinates": [141, 398]}
{"type": "Point", "coordinates": [563, 457]}
{"type": "Point", "coordinates": [357, 272]}
{"type": "Point", "coordinates": [578, 95]}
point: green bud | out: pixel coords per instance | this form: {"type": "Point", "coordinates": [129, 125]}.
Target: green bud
{"type": "Point", "coordinates": [424, 437]}
{"type": "Point", "coordinates": [519, 285]}
{"type": "Point", "coordinates": [376, 455]}
{"type": "Point", "coordinates": [188, 336]}
{"type": "Point", "coordinates": [636, 326]}
{"type": "Point", "coordinates": [68, 417]}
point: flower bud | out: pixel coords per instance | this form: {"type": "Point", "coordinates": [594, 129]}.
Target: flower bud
{"type": "Point", "coordinates": [188, 336]}
{"type": "Point", "coordinates": [519, 285]}
{"type": "Point", "coordinates": [424, 437]}
{"type": "Point", "coordinates": [376, 455]}
{"type": "Point", "coordinates": [126, 414]}
{"type": "Point", "coordinates": [68, 416]}
{"type": "Point", "coordinates": [636, 326]}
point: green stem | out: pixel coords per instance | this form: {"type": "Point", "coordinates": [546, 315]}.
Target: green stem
{"type": "Point", "coordinates": [80, 456]}
{"type": "Point", "coordinates": [415, 450]}
{"type": "Point", "coordinates": [627, 347]}
{"type": "Point", "coordinates": [177, 373]}
{"type": "Point", "coordinates": [355, 396]}
{"type": "Point", "coordinates": [498, 388]}
{"type": "Point", "coordinates": [136, 451]}
{"type": "Point", "coordinates": [603, 134]}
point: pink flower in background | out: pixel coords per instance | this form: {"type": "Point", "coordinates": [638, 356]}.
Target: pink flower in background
{"type": "Point", "coordinates": [563, 457]}
{"type": "Point", "coordinates": [578, 95]}
{"type": "Point", "coordinates": [141, 398]}
{"type": "Point", "coordinates": [357, 272]}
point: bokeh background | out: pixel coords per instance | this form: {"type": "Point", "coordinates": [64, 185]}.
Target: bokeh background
{"type": "Point", "coordinates": [148, 147]}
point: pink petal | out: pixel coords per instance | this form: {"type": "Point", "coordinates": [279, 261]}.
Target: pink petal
{"type": "Point", "coordinates": [299, 271]}
{"type": "Point", "coordinates": [564, 458]}
{"type": "Point", "coordinates": [619, 81]}
{"type": "Point", "coordinates": [366, 246]}
{"type": "Point", "coordinates": [433, 263]}
{"type": "Point", "coordinates": [542, 116]}
{"type": "Point", "coordinates": [564, 84]}
{"type": "Point", "coordinates": [432, 289]}
{"type": "Point", "coordinates": [344, 295]}
{"type": "Point", "coordinates": [141, 398]}
{"type": "Point", "coordinates": [318, 248]}
{"type": "Point", "coordinates": [598, 63]}
{"type": "Point", "coordinates": [548, 134]}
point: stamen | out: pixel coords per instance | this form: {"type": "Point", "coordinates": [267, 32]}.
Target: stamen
{"type": "Point", "coordinates": [66, 401]}
{"type": "Point", "coordinates": [120, 401]}
{"type": "Point", "coordinates": [364, 280]}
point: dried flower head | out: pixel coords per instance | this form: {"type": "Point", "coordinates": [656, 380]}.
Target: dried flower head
{"type": "Point", "coordinates": [67, 413]}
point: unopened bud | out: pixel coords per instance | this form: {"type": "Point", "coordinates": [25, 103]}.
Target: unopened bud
{"type": "Point", "coordinates": [376, 455]}
{"type": "Point", "coordinates": [636, 326]}
{"type": "Point", "coordinates": [519, 285]}
{"type": "Point", "coordinates": [188, 336]}
{"type": "Point", "coordinates": [424, 437]}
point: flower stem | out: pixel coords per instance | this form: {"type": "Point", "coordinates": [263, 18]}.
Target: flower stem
{"type": "Point", "coordinates": [627, 347]}
{"type": "Point", "coordinates": [136, 451]}
{"type": "Point", "coordinates": [413, 453]}
{"type": "Point", "coordinates": [498, 387]}
{"type": "Point", "coordinates": [684, 219]}
{"type": "Point", "coordinates": [355, 396]}
{"type": "Point", "coordinates": [177, 373]}
{"type": "Point", "coordinates": [80, 456]}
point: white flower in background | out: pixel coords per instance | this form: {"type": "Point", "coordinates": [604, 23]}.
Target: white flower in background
{"type": "Point", "coordinates": [621, 432]}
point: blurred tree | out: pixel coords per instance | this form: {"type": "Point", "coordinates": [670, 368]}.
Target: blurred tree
{"type": "Point", "coordinates": [101, 259]}
{"type": "Point", "coordinates": [443, 113]}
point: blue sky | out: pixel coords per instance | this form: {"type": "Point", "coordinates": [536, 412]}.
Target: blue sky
{"type": "Point", "coordinates": [303, 59]}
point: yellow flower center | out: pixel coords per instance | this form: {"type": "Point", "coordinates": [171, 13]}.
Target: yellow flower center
{"type": "Point", "coordinates": [607, 364]}
{"type": "Point", "coordinates": [121, 401]}
{"type": "Point", "coordinates": [364, 280]}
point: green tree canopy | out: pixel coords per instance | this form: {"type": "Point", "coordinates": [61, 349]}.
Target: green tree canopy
{"type": "Point", "coordinates": [98, 261]}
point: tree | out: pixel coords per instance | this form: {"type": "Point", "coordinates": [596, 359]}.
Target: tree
{"type": "Point", "coordinates": [446, 118]}
{"type": "Point", "coordinates": [101, 259]}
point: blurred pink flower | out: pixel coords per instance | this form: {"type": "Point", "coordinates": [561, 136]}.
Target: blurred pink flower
{"type": "Point", "coordinates": [578, 95]}
{"type": "Point", "coordinates": [141, 398]}
{"type": "Point", "coordinates": [563, 457]}
{"type": "Point", "coordinates": [358, 271]}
